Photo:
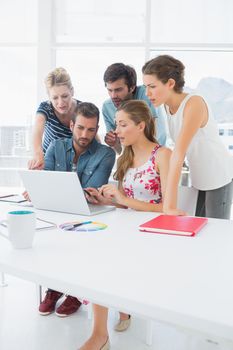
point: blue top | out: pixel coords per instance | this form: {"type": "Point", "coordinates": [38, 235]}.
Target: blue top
{"type": "Point", "coordinates": [109, 110]}
{"type": "Point", "coordinates": [94, 166]}
{"type": "Point", "coordinates": [54, 129]}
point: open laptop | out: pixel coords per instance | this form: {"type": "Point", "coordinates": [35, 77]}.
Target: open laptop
{"type": "Point", "coordinates": [58, 191]}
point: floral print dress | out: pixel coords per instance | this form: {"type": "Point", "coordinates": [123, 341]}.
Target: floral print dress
{"type": "Point", "coordinates": [143, 183]}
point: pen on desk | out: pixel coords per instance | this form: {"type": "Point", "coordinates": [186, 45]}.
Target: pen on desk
{"type": "Point", "coordinates": [79, 224]}
{"type": "Point", "coordinates": [82, 223]}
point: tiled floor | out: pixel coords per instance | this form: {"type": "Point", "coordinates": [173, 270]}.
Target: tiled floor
{"type": "Point", "coordinates": [22, 328]}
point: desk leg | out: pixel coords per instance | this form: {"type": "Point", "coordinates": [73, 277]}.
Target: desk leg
{"type": "Point", "coordinates": [3, 283]}
{"type": "Point", "coordinates": [39, 293]}
{"type": "Point", "coordinates": [149, 332]}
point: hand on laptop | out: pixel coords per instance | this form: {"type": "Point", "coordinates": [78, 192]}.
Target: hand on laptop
{"type": "Point", "coordinates": [112, 194]}
{"type": "Point", "coordinates": [95, 197]}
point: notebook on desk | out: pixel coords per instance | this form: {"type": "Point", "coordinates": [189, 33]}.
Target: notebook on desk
{"type": "Point", "coordinates": [174, 225]}
{"type": "Point", "coordinates": [58, 191]}
{"type": "Point", "coordinates": [13, 198]}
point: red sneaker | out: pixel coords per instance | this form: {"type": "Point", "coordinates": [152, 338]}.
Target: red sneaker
{"type": "Point", "coordinates": [68, 307]}
{"type": "Point", "coordinates": [47, 306]}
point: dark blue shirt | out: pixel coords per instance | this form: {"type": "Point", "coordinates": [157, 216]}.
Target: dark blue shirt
{"type": "Point", "coordinates": [54, 129]}
{"type": "Point", "coordinates": [93, 168]}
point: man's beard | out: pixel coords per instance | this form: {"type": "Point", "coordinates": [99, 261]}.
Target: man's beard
{"type": "Point", "coordinates": [119, 101]}
{"type": "Point", "coordinates": [79, 142]}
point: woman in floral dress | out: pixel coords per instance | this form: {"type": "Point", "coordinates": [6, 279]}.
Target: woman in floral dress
{"type": "Point", "coordinates": [141, 174]}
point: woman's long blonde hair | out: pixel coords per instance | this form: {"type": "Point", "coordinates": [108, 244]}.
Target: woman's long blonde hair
{"type": "Point", "coordinates": [138, 111]}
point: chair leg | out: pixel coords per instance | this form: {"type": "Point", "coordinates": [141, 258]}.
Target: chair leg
{"type": "Point", "coordinates": [149, 332]}
{"type": "Point", "coordinates": [2, 280]}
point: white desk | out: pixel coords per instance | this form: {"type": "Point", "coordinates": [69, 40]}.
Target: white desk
{"type": "Point", "coordinates": [183, 281]}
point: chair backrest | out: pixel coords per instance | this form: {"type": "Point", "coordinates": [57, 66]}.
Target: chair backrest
{"type": "Point", "coordinates": [187, 199]}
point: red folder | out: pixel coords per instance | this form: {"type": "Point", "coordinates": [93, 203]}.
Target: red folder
{"type": "Point", "coordinates": [174, 225]}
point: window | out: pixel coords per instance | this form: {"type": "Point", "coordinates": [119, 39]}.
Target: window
{"type": "Point", "coordinates": [18, 21]}
{"type": "Point", "coordinates": [18, 61]}
{"type": "Point", "coordinates": [18, 87]}
{"type": "Point", "coordinates": [86, 36]}
{"type": "Point", "coordinates": [201, 64]}
{"type": "Point", "coordinates": [199, 33]}
{"type": "Point", "coordinates": [105, 21]}
{"type": "Point", "coordinates": [87, 65]}
{"type": "Point", "coordinates": [191, 22]}
{"type": "Point", "coordinates": [221, 132]}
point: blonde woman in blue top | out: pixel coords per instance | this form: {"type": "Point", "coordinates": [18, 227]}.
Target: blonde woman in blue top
{"type": "Point", "coordinates": [53, 116]}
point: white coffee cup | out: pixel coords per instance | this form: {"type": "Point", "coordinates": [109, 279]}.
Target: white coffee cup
{"type": "Point", "coordinates": [21, 226]}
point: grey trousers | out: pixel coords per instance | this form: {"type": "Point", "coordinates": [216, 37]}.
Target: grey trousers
{"type": "Point", "coordinates": [215, 203]}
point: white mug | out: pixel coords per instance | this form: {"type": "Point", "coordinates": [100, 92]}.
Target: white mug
{"type": "Point", "coordinates": [21, 226]}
